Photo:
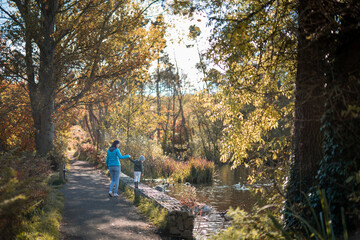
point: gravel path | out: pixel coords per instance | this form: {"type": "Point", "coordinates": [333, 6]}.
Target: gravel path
{"type": "Point", "coordinates": [90, 214]}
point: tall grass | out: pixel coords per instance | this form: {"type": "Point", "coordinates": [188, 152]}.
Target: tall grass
{"type": "Point", "coordinates": [195, 170]}
{"type": "Point", "coordinates": [29, 206]}
{"type": "Point", "coordinates": [44, 221]}
{"type": "Point", "coordinates": [156, 214]}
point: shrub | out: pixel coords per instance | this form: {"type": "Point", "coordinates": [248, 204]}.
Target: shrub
{"type": "Point", "coordinates": [23, 194]}
{"type": "Point", "coordinates": [44, 222]}
{"type": "Point", "coordinates": [255, 225]}
{"type": "Point", "coordinates": [201, 171]}
{"type": "Point", "coordinates": [196, 170]}
{"type": "Point", "coordinates": [188, 197]}
{"type": "Point", "coordinates": [87, 152]}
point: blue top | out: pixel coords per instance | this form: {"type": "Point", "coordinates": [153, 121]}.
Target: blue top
{"type": "Point", "coordinates": [112, 157]}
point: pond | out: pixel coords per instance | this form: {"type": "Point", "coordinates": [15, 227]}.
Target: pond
{"type": "Point", "coordinates": [227, 189]}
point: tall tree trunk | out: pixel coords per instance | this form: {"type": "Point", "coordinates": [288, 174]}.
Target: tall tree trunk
{"type": "Point", "coordinates": [341, 124]}
{"type": "Point", "coordinates": [41, 90]}
{"type": "Point", "coordinates": [128, 122]}
{"type": "Point", "coordinates": [175, 115]}
{"type": "Point", "coordinates": [101, 124]}
{"type": "Point", "coordinates": [47, 83]}
{"type": "Point", "coordinates": [158, 106]}
{"type": "Point", "coordinates": [309, 105]}
{"type": "Point", "coordinates": [166, 127]}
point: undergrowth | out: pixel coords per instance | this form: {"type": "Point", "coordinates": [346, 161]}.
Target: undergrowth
{"type": "Point", "coordinates": [195, 170]}
{"type": "Point", "coordinates": [30, 203]}
{"type": "Point", "coordinates": [266, 223]}
{"type": "Point", "coordinates": [44, 221]}
{"type": "Point", "coordinates": [149, 208]}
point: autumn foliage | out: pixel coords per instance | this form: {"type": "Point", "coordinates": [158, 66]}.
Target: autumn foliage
{"type": "Point", "coordinates": [23, 189]}
{"type": "Point", "coordinates": [16, 123]}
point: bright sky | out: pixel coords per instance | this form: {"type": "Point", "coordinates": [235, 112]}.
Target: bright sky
{"type": "Point", "coordinates": [4, 5]}
{"type": "Point", "coordinates": [177, 42]}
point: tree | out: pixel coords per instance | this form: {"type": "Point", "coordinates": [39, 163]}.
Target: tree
{"type": "Point", "coordinates": [126, 86]}
{"type": "Point", "coordinates": [208, 131]}
{"type": "Point", "coordinates": [326, 66]}
{"type": "Point", "coordinates": [338, 167]}
{"type": "Point", "coordinates": [253, 43]}
{"type": "Point", "coordinates": [63, 48]}
{"type": "Point", "coordinates": [309, 103]}
{"type": "Point", "coordinates": [171, 117]}
{"type": "Point", "coordinates": [16, 124]}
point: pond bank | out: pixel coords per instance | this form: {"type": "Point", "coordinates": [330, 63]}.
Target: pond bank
{"type": "Point", "coordinates": [228, 189]}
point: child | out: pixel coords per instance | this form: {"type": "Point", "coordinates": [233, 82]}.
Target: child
{"type": "Point", "coordinates": [138, 169]}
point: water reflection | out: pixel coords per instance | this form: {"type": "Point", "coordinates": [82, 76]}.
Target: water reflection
{"type": "Point", "coordinates": [227, 189]}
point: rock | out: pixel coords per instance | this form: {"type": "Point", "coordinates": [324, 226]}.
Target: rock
{"type": "Point", "coordinates": [171, 218]}
{"type": "Point", "coordinates": [189, 223]}
{"type": "Point", "coordinates": [174, 231]}
{"type": "Point", "coordinates": [184, 215]}
{"type": "Point", "coordinates": [227, 217]}
{"type": "Point", "coordinates": [180, 224]}
{"type": "Point", "coordinates": [205, 210]}
{"type": "Point", "coordinates": [160, 188]}
{"type": "Point", "coordinates": [196, 209]}
{"type": "Point", "coordinates": [187, 234]}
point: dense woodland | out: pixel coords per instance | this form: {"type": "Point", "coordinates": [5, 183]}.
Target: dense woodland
{"type": "Point", "coordinates": [281, 97]}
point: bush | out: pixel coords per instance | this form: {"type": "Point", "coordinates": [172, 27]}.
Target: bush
{"type": "Point", "coordinates": [256, 225]}
{"type": "Point", "coordinates": [87, 152]}
{"type": "Point", "coordinates": [23, 194]}
{"type": "Point", "coordinates": [44, 222]}
{"type": "Point", "coordinates": [188, 197]}
{"type": "Point", "coordinates": [201, 171]}
{"type": "Point", "coordinates": [196, 170]}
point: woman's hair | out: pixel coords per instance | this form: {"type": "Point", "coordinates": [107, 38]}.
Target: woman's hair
{"type": "Point", "coordinates": [116, 142]}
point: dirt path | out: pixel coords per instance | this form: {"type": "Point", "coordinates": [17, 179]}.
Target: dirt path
{"type": "Point", "coordinates": [90, 214]}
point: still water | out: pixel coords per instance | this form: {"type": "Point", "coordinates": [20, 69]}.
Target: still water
{"type": "Point", "coordinates": [228, 189]}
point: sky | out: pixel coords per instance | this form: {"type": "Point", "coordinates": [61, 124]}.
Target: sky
{"type": "Point", "coordinates": [3, 4]}
{"type": "Point", "coordinates": [178, 40]}
{"type": "Point", "coordinates": [188, 57]}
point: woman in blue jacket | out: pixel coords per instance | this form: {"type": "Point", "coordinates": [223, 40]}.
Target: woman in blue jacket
{"type": "Point", "coordinates": [113, 164]}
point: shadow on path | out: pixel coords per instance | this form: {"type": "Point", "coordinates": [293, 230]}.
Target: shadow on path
{"type": "Point", "coordinates": [90, 214]}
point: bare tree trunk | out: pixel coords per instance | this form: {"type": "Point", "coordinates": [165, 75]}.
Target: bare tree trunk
{"type": "Point", "coordinates": [100, 130]}
{"type": "Point", "coordinates": [128, 123]}
{"type": "Point", "coordinates": [165, 146]}
{"type": "Point", "coordinates": [87, 124]}
{"type": "Point", "coordinates": [174, 119]}
{"type": "Point", "coordinates": [158, 106]}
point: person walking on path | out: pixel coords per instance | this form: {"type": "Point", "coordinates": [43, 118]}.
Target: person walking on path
{"type": "Point", "coordinates": [138, 169]}
{"type": "Point", "coordinates": [113, 164]}
{"type": "Point", "coordinates": [87, 215]}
